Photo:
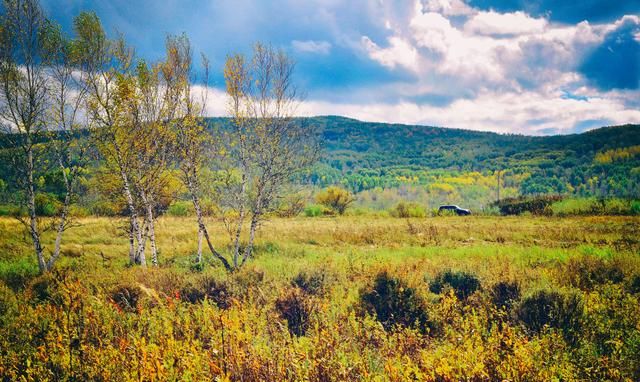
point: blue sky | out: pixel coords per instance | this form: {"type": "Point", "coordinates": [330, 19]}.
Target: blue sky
{"type": "Point", "coordinates": [519, 66]}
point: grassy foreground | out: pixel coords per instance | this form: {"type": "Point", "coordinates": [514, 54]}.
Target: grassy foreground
{"type": "Point", "coordinates": [530, 299]}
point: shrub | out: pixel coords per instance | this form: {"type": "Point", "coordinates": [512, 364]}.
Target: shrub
{"type": "Point", "coordinates": [596, 206]}
{"type": "Point", "coordinates": [127, 297]}
{"type": "Point", "coordinates": [292, 205]}
{"type": "Point", "coordinates": [573, 206]}
{"type": "Point", "coordinates": [310, 283]}
{"type": "Point", "coordinates": [408, 210]}
{"type": "Point", "coordinates": [395, 304]}
{"type": "Point", "coordinates": [552, 309]}
{"type": "Point", "coordinates": [73, 252]}
{"type": "Point", "coordinates": [505, 294]}
{"type": "Point", "coordinates": [463, 283]}
{"type": "Point", "coordinates": [216, 291]}
{"type": "Point", "coordinates": [490, 211]}
{"type": "Point", "coordinates": [17, 274]}
{"type": "Point", "coordinates": [247, 280]}
{"type": "Point", "coordinates": [335, 198]}
{"type": "Point", "coordinates": [180, 208]}
{"type": "Point", "coordinates": [8, 210]}
{"type": "Point", "coordinates": [43, 288]}
{"type": "Point", "coordinates": [164, 281]}
{"type": "Point", "coordinates": [633, 286]}
{"type": "Point", "coordinates": [192, 294]}
{"type": "Point", "coordinates": [615, 206]}
{"type": "Point", "coordinates": [104, 208]}
{"type": "Point", "coordinates": [314, 210]}
{"type": "Point", "coordinates": [8, 304]}
{"type": "Point", "coordinates": [48, 287]}
{"type": "Point", "coordinates": [586, 272]}
{"type": "Point", "coordinates": [47, 205]}
{"type": "Point", "coordinates": [296, 309]}
{"type": "Point", "coordinates": [538, 205]}
{"type": "Point", "coordinates": [78, 211]}
{"type": "Point", "coordinates": [610, 334]}
{"type": "Point", "coordinates": [209, 207]}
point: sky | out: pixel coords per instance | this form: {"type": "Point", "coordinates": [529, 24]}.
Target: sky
{"type": "Point", "coordinates": [533, 67]}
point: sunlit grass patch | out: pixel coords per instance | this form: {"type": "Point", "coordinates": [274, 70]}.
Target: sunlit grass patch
{"type": "Point", "coordinates": [294, 311]}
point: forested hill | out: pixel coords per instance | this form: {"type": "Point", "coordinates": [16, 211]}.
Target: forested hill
{"type": "Point", "coordinates": [367, 155]}
{"type": "Point", "coordinates": [358, 144]}
{"type": "Point", "coordinates": [388, 163]}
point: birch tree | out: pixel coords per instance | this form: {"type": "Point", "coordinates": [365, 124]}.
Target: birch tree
{"type": "Point", "coordinates": [66, 98]}
{"type": "Point", "coordinates": [23, 102]}
{"type": "Point", "coordinates": [194, 143]}
{"type": "Point", "coordinates": [105, 66]}
{"type": "Point", "coordinates": [153, 111]}
{"type": "Point", "coordinates": [267, 145]}
{"type": "Point", "coordinates": [132, 105]}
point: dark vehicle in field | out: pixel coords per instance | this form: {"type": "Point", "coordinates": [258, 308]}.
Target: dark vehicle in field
{"type": "Point", "coordinates": [457, 210]}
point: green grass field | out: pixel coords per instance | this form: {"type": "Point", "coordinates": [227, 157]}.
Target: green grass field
{"type": "Point", "coordinates": [312, 304]}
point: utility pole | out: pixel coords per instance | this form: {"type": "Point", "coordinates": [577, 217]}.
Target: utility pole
{"type": "Point", "coordinates": [499, 174]}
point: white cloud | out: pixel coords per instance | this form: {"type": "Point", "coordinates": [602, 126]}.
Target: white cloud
{"type": "Point", "coordinates": [310, 46]}
{"type": "Point", "coordinates": [434, 31]}
{"type": "Point", "coordinates": [505, 72]}
{"type": "Point", "coordinates": [468, 58]}
{"type": "Point", "coordinates": [399, 53]}
{"type": "Point", "coordinates": [494, 23]}
{"type": "Point", "coordinates": [632, 19]}
{"type": "Point", "coordinates": [448, 7]}
{"type": "Point", "coordinates": [216, 100]}
{"type": "Point", "coordinates": [490, 50]}
{"type": "Point", "coordinates": [530, 113]}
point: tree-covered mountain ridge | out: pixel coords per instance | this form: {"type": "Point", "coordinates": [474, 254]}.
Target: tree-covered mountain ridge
{"type": "Point", "coordinates": [453, 148]}
{"type": "Point", "coordinates": [366, 155]}
{"type": "Point", "coordinates": [385, 164]}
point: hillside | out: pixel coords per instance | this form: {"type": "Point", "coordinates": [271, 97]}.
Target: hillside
{"type": "Point", "coordinates": [368, 145]}
{"type": "Point", "coordinates": [454, 165]}
{"type": "Point", "coordinates": [387, 163]}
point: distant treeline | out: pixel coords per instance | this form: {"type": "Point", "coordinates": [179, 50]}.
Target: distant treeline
{"type": "Point", "coordinates": [386, 164]}
{"type": "Point", "coordinates": [363, 156]}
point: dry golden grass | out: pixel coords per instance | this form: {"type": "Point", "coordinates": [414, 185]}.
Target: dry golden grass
{"type": "Point", "coordinates": [76, 320]}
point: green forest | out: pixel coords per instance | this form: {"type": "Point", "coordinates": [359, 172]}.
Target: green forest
{"type": "Point", "coordinates": [465, 165]}
{"type": "Point", "coordinates": [386, 164]}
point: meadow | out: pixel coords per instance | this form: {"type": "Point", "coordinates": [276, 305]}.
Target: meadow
{"type": "Point", "coordinates": [109, 154]}
{"type": "Point", "coordinates": [331, 298]}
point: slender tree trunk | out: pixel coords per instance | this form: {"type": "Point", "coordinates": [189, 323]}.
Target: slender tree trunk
{"type": "Point", "coordinates": [143, 244]}
{"type": "Point", "coordinates": [133, 214]}
{"type": "Point", "coordinates": [205, 233]}
{"type": "Point", "coordinates": [236, 240]}
{"type": "Point", "coordinates": [499, 173]}
{"type": "Point", "coordinates": [132, 243]}
{"type": "Point", "coordinates": [63, 215]}
{"type": "Point", "coordinates": [193, 190]}
{"type": "Point", "coordinates": [60, 230]}
{"type": "Point", "coordinates": [151, 229]}
{"type": "Point", "coordinates": [199, 253]}
{"type": "Point", "coordinates": [33, 219]}
{"type": "Point", "coordinates": [240, 221]}
{"type": "Point", "coordinates": [255, 218]}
